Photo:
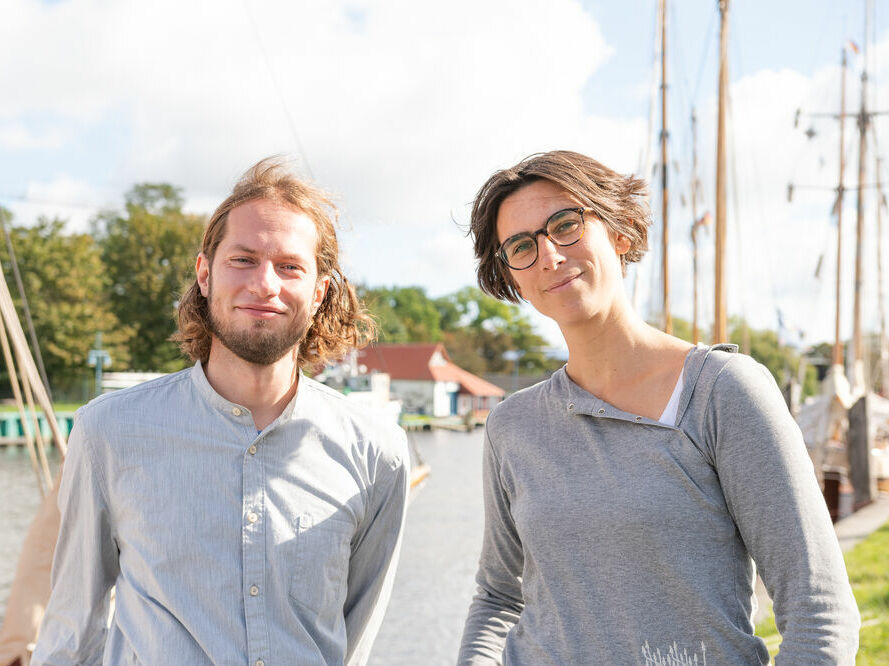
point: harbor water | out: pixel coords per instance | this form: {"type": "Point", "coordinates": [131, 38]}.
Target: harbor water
{"type": "Point", "coordinates": [20, 500]}
{"type": "Point", "coordinates": [435, 579]}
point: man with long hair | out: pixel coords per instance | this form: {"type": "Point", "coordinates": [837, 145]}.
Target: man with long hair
{"type": "Point", "coordinates": [243, 512]}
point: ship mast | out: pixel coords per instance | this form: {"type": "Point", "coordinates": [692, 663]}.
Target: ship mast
{"type": "Point", "coordinates": [838, 341]}
{"type": "Point", "coordinates": [665, 278]}
{"type": "Point", "coordinates": [720, 333]}
{"type": "Point", "coordinates": [696, 225]}
{"type": "Point", "coordinates": [884, 341]}
{"type": "Point", "coordinates": [857, 378]}
{"type": "Point", "coordinates": [696, 337]}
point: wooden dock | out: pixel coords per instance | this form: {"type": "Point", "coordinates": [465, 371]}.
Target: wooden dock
{"type": "Point", "coordinates": [12, 432]}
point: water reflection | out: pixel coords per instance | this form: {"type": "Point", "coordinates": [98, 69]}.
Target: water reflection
{"type": "Point", "coordinates": [21, 498]}
{"type": "Point", "coordinates": [439, 556]}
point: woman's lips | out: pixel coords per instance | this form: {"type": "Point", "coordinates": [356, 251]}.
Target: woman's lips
{"type": "Point", "coordinates": [561, 284]}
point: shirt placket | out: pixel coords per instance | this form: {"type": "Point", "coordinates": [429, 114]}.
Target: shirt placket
{"type": "Point", "coordinates": [600, 409]}
{"type": "Point", "coordinates": [253, 528]}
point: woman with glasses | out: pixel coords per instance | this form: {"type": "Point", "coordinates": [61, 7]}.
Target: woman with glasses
{"type": "Point", "coordinates": [628, 496]}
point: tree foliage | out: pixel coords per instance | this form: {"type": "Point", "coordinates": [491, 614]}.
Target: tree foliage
{"type": "Point", "coordinates": [66, 287]}
{"type": "Point", "coordinates": [404, 314]}
{"type": "Point", "coordinates": [149, 252]}
{"type": "Point", "coordinates": [477, 330]}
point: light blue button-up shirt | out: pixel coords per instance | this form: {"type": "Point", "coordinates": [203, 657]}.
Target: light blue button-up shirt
{"type": "Point", "coordinates": [225, 546]}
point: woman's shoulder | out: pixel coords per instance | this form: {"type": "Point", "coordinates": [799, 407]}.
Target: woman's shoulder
{"type": "Point", "coordinates": [732, 384]}
{"type": "Point", "coordinates": [529, 403]}
{"type": "Point", "coordinates": [734, 371]}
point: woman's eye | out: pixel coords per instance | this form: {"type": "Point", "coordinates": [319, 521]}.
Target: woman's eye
{"type": "Point", "coordinates": [565, 227]}
{"type": "Point", "coordinates": [520, 247]}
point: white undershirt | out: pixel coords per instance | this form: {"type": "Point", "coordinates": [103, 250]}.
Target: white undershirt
{"type": "Point", "coordinates": [669, 415]}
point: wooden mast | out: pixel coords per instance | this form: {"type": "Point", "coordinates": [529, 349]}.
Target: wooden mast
{"type": "Point", "coordinates": [884, 350]}
{"type": "Point", "coordinates": [695, 333]}
{"type": "Point", "coordinates": [857, 378]}
{"type": "Point", "coordinates": [665, 277]}
{"type": "Point", "coordinates": [838, 341]}
{"type": "Point", "coordinates": [720, 333]}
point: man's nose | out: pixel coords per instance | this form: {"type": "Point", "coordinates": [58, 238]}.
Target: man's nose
{"type": "Point", "coordinates": [266, 281]}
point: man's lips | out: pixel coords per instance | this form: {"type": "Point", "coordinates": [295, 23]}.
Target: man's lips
{"type": "Point", "coordinates": [564, 282]}
{"type": "Point", "coordinates": [263, 311]}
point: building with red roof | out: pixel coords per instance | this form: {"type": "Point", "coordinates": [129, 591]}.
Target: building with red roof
{"type": "Point", "coordinates": [428, 382]}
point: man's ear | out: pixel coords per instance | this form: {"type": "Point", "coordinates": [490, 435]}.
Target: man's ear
{"type": "Point", "coordinates": [202, 268]}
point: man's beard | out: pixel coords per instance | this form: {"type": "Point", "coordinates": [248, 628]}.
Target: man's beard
{"type": "Point", "coordinates": [256, 343]}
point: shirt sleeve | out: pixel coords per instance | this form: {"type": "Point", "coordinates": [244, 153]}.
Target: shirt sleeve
{"type": "Point", "coordinates": [497, 605]}
{"type": "Point", "coordinates": [85, 564]}
{"type": "Point", "coordinates": [772, 493]}
{"type": "Point", "coordinates": [375, 555]}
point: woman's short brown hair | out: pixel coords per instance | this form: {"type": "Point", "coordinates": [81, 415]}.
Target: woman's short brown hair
{"type": "Point", "coordinates": [340, 323]}
{"type": "Point", "coordinates": [619, 201]}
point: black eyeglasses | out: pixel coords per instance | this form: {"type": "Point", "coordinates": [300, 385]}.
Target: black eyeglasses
{"type": "Point", "coordinates": [564, 227]}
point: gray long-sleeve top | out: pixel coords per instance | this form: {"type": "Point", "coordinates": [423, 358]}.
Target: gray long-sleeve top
{"type": "Point", "coordinates": [226, 546]}
{"type": "Point", "coordinates": [614, 539]}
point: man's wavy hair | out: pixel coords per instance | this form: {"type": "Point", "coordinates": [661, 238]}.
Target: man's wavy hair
{"type": "Point", "coordinates": [618, 201]}
{"type": "Point", "coordinates": [341, 322]}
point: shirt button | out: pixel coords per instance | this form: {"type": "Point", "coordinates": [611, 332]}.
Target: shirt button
{"type": "Point", "coordinates": [638, 418]}
{"type": "Point", "coordinates": [601, 411]}
{"type": "Point", "coordinates": [236, 411]}
{"type": "Point", "coordinates": [252, 517]}
{"type": "Point", "coordinates": [260, 662]}
{"type": "Point", "coordinates": [252, 449]}
{"type": "Point", "coordinates": [254, 590]}
{"type": "Point", "coordinates": [570, 406]}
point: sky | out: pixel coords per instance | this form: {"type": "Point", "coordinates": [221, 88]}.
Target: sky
{"type": "Point", "coordinates": [402, 109]}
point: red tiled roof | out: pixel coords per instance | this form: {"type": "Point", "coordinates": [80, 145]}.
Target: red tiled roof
{"type": "Point", "coordinates": [469, 383]}
{"type": "Point", "coordinates": [412, 361]}
{"type": "Point", "coordinates": [401, 361]}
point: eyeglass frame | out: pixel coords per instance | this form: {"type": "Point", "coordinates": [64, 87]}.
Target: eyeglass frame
{"type": "Point", "coordinates": [534, 234]}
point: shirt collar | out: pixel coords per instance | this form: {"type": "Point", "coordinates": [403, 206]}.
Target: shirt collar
{"type": "Point", "coordinates": [234, 411]}
{"type": "Point", "coordinates": [581, 401]}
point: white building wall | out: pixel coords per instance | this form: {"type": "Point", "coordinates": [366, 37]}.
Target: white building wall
{"type": "Point", "coordinates": [442, 397]}
{"type": "Point", "coordinates": [416, 396]}
{"type": "Point", "coordinates": [426, 397]}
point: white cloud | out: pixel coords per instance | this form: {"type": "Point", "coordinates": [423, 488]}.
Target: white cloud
{"type": "Point", "coordinates": [16, 136]}
{"type": "Point", "coordinates": [402, 113]}
{"type": "Point", "coordinates": [64, 197]}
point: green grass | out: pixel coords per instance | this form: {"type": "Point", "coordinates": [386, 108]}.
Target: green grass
{"type": "Point", "coordinates": [868, 567]}
{"type": "Point", "coordinates": [59, 407]}
{"type": "Point", "coordinates": [414, 419]}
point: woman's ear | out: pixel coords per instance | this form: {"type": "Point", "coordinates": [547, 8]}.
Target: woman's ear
{"type": "Point", "coordinates": [621, 244]}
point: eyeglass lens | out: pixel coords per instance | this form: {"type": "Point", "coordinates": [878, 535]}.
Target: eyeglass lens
{"type": "Point", "coordinates": [562, 228]}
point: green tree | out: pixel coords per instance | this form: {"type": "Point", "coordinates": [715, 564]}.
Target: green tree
{"type": "Point", "coordinates": [66, 286]}
{"type": "Point", "coordinates": [478, 326]}
{"type": "Point", "coordinates": [476, 329]}
{"type": "Point", "coordinates": [404, 314]}
{"type": "Point", "coordinates": [149, 252]}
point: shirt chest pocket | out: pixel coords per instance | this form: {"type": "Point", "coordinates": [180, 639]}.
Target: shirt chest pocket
{"type": "Point", "coordinates": [321, 565]}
